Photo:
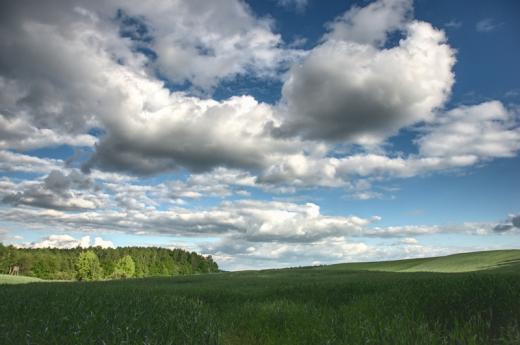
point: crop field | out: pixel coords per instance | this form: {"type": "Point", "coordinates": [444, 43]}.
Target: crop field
{"type": "Point", "coordinates": [375, 303]}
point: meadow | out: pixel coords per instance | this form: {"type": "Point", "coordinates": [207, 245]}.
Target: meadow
{"type": "Point", "coordinates": [462, 299]}
{"type": "Point", "coordinates": [7, 279]}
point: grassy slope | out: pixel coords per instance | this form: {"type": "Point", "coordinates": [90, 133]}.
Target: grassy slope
{"type": "Point", "coordinates": [8, 279]}
{"type": "Point", "coordinates": [466, 262]}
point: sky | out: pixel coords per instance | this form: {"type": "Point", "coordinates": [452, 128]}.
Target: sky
{"type": "Point", "coordinates": [273, 133]}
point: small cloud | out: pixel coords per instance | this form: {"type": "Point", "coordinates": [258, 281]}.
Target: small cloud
{"type": "Point", "coordinates": [487, 25]}
{"type": "Point", "coordinates": [243, 192]}
{"type": "Point", "coordinates": [362, 190]}
{"type": "Point", "coordinates": [298, 5]}
{"type": "Point", "coordinates": [366, 195]}
{"type": "Point", "coordinates": [514, 93]}
{"type": "Point", "coordinates": [415, 213]}
{"type": "Point", "coordinates": [298, 42]}
{"type": "Point", "coordinates": [454, 24]}
{"type": "Point", "coordinates": [409, 240]}
{"type": "Point", "coordinates": [99, 242]}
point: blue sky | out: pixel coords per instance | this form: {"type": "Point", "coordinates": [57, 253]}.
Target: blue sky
{"type": "Point", "coordinates": [265, 133]}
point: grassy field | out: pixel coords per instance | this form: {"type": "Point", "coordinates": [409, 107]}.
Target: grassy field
{"type": "Point", "coordinates": [465, 262]}
{"type": "Point", "coordinates": [8, 279]}
{"type": "Point", "coordinates": [376, 303]}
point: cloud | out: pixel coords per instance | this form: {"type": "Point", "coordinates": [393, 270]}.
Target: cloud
{"type": "Point", "coordinates": [204, 42]}
{"type": "Point", "coordinates": [99, 80]}
{"type": "Point", "coordinates": [247, 233]}
{"type": "Point", "coordinates": [17, 133]}
{"type": "Point", "coordinates": [487, 25]}
{"type": "Point", "coordinates": [68, 242]}
{"type": "Point", "coordinates": [366, 195]}
{"type": "Point", "coordinates": [515, 220]}
{"type": "Point", "coordinates": [60, 92]}
{"type": "Point", "coordinates": [298, 5]}
{"type": "Point", "coordinates": [115, 68]}
{"type": "Point", "coordinates": [513, 223]}
{"type": "Point", "coordinates": [58, 182]}
{"type": "Point", "coordinates": [454, 24]}
{"type": "Point", "coordinates": [147, 129]}
{"type": "Point", "coordinates": [11, 161]}
{"type": "Point", "coordinates": [418, 230]}
{"type": "Point", "coordinates": [56, 191]}
{"type": "Point", "coordinates": [187, 132]}
{"type": "Point", "coordinates": [503, 227]}
{"type": "Point", "coordinates": [54, 98]}
{"type": "Point", "coordinates": [237, 255]}
{"type": "Point", "coordinates": [371, 24]}
{"type": "Point", "coordinates": [354, 92]}
{"type": "Point", "coordinates": [409, 240]}
{"type": "Point", "coordinates": [99, 242]}
{"type": "Point", "coordinates": [249, 220]}
{"type": "Point", "coordinates": [514, 93]}
{"type": "Point", "coordinates": [486, 130]}
{"type": "Point", "coordinates": [221, 182]}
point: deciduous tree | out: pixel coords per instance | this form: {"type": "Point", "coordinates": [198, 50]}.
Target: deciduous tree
{"type": "Point", "coordinates": [88, 266]}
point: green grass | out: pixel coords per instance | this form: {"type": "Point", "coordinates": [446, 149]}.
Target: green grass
{"type": "Point", "coordinates": [465, 262]}
{"type": "Point", "coordinates": [8, 279]}
{"type": "Point", "coordinates": [340, 304]}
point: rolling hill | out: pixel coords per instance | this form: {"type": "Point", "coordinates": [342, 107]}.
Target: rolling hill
{"type": "Point", "coordinates": [465, 262]}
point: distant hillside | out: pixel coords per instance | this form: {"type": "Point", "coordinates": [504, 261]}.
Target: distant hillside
{"type": "Point", "coordinates": [61, 264]}
{"type": "Point", "coordinates": [466, 262]}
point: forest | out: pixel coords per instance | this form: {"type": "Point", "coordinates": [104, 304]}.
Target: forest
{"type": "Point", "coordinates": [103, 263]}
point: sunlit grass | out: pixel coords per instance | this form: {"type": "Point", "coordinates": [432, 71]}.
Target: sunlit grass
{"type": "Point", "coordinates": [9, 279]}
{"type": "Point", "coordinates": [466, 262]}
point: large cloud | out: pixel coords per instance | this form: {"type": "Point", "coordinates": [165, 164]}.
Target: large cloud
{"type": "Point", "coordinates": [172, 131]}
{"type": "Point", "coordinates": [356, 92]}
{"type": "Point", "coordinates": [49, 95]}
{"type": "Point", "coordinates": [98, 79]}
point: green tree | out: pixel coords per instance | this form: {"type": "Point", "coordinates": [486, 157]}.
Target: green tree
{"type": "Point", "coordinates": [53, 263]}
{"type": "Point", "coordinates": [88, 266]}
{"type": "Point", "coordinates": [125, 267]}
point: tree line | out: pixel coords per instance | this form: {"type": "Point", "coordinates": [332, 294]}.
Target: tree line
{"type": "Point", "coordinates": [103, 263]}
